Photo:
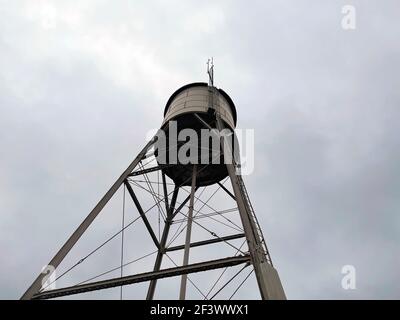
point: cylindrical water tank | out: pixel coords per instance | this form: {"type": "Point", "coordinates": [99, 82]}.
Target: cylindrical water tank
{"type": "Point", "coordinates": [198, 98]}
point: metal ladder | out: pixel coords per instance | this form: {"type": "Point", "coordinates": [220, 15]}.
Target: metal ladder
{"type": "Point", "coordinates": [261, 245]}
{"type": "Point", "coordinates": [254, 220]}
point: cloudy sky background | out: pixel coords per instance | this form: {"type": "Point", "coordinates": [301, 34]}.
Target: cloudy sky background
{"type": "Point", "coordinates": [81, 84]}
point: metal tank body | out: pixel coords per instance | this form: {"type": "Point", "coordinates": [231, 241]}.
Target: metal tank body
{"type": "Point", "coordinates": [201, 99]}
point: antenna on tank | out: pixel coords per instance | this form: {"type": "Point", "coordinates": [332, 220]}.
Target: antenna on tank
{"type": "Point", "coordinates": [210, 71]}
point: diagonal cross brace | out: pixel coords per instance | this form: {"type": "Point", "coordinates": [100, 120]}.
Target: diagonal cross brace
{"type": "Point", "coordinates": [142, 214]}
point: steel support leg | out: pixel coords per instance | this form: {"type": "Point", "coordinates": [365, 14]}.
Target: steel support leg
{"type": "Point", "coordinates": [163, 242]}
{"type": "Point", "coordinates": [60, 255]}
{"type": "Point", "coordinates": [182, 294]}
{"type": "Point", "coordinates": [267, 277]}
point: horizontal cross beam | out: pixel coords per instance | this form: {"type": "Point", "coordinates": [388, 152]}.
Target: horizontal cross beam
{"type": "Point", "coordinates": [166, 273]}
{"type": "Point", "coordinates": [206, 242]}
{"type": "Point", "coordinates": [144, 171]}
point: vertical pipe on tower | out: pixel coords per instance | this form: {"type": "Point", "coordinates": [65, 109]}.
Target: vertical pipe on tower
{"type": "Point", "coordinates": [182, 293]}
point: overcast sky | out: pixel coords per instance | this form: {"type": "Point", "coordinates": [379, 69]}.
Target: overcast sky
{"type": "Point", "coordinates": [82, 83]}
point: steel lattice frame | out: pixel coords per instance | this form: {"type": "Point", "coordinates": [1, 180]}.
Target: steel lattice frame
{"type": "Point", "coordinates": [256, 254]}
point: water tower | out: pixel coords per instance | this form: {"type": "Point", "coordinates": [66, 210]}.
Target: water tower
{"type": "Point", "coordinates": [198, 107]}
